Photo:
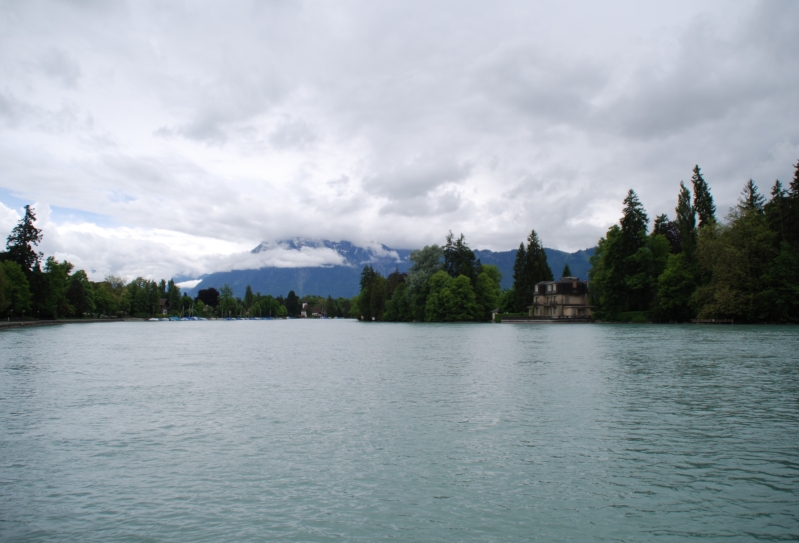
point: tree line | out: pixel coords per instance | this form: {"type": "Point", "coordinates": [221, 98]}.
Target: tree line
{"type": "Point", "coordinates": [223, 303]}
{"type": "Point", "coordinates": [744, 268]}
{"type": "Point", "coordinates": [34, 287]}
{"type": "Point", "coordinates": [444, 284]}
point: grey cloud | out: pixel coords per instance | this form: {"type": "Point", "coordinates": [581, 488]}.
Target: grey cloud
{"type": "Point", "coordinates": [356, 120]}
{"type": "Point", "coordinates": [538, 85]}
{"type": "Point", "coordinates": [715, 75]}
{"type": "Point", "coordinates": [294, 134]}
{"type": "Point", "coordinates": [415, 179]}
{"type": "Point", "coordinates": [12, 110]}
{"type": "Point", "coordinates": [17, 113]}
{"type": "Point", "coordinates": [62, 67]}
{"type": "Point", "coordinates": [424, 206]}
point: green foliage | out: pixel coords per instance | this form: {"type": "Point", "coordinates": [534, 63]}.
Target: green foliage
{"type": "Point", "coordinates": [105, 303]}
{"type": "Point", "coordinates": [627, 264]}
{"type": "Point", "coordinates": [737, 257]}
{"type": "Point", "coordinates": [486, 291]}
{"type": "Point", "coordinates": [248, 297]}
{"type": "Point", "coordinates": [16, 293]}
{"type": "Point", "coordinates": [80, 294]}
{"type": "Point", "coordinates": [377, 300]}
{"type": "Point", "coordinates": [566, 271]}
{"type": "Point", "coordinates": [426, 262]}
{"type": "Point", "coordinates": [228, 306]}
{"type": "Point", "coordinates": [642, 271]}
{"type": "Point", "coordinates": [450, 299]}
{"type": "Point", "coordinates": [781, 282]}
{"type": "Point", "coordinates": [507, 301]}
{"type": "Point", "coordinates": [292, 304]}
{"type": "Point", "coordinates": [21, 241]}
{"type": "Point", "coordinates": [633, 317]}
{"type": "Point", "coordinates": [173, 296]}
{"type": "Point", "coordinates": [529, 268]}
{"type": "Point", "coordinates": [686, 221]}
{"type": "Point", "coordinates": [703, 200]}
{"type": "Point", "coordinates": [343, 308]}
{"type": "Point", "coordinates": [607, 276]}
{"type": "Point", "coordinates": [751, 199]}
{"type": "Point", "coordinates": [372, 298]}
{"type": "Point", "coordinates": [676, 286]}
{"type": "Point", "coordinates": [398, 308]}
{"type": "Point", "coordinates": [330, 307]}
{"type": "Point", "coordinates": [4, 303]}
{"type": "Point", "coordinates": [57, 279]}
{"type": "Point", "coordinates": [459, 258]}
{"type": "Point", "coordinates": [670, 230]}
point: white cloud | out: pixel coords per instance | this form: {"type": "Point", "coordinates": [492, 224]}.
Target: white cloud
{"type": "Point", "coordinates": [202, 131]}
{"type": "Point", "coordinates": [8, 219]}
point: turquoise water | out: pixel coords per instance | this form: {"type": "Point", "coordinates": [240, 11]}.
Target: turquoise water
{"type": "Point", "coordinates": [339, 430]}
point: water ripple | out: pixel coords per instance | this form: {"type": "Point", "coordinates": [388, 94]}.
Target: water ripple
{"type": "Point", "coordinates": [322, 430]}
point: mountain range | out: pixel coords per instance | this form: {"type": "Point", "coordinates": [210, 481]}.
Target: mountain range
{"type": "Point", "coordinates": [343, 280]}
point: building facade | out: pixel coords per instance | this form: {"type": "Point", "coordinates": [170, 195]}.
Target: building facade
{"type": "Point", "coordinates": [564, 298]}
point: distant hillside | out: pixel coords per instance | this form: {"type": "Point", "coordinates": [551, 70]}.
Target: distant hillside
{"type": "Point", "coordinates": [578, 262]}
{"type": "Point", "coordinates": [344, 280]}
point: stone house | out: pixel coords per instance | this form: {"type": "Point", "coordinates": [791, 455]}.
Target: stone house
{"type": "Point", "coordinates": [565, 298]}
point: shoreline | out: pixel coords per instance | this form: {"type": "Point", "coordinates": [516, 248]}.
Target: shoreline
{"type": "Point", "coordinates": [8, 325]}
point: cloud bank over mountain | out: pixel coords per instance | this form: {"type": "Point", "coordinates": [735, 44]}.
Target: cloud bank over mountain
{"type": "Point", "coordinates": [162, 138]}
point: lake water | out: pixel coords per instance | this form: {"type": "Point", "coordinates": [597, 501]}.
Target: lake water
{"type": "Point", "coordinates": [339, 430]}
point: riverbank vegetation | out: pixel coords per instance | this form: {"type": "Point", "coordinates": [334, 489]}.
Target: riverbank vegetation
{"type": "Point", "coordinates": [444, 284]}
{"type": "Point", "coordinates": [36, 288]}
{"type": "Point", "coordinates": [745, 267]}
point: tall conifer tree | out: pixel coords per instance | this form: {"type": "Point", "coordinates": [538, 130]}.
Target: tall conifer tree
{"type": "Point", "coordinates": [776, 210]}
{"type": "Point", "coordinates": [703, 200]}
{"type": "Point", "coordinates": [536, 269]}
{"type": "Point", "coordinates": [750, 199]}
{"type": "Point", "coordinates": [686, 221]}
{"type": "Point", "coordinates": [792, 211]}
{"type": "Point", "coordinates": [21, 241]}
{"type": "Point", "coordinates": [634, 223]}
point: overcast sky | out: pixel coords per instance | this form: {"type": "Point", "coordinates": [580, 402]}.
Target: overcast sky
{"type": "Point", "coordinates": [162, 138]}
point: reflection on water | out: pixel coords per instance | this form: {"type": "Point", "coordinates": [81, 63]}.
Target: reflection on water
{"type": "Point", "coordinates": [322, 430]}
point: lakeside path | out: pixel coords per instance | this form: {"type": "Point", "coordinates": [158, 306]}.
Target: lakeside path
{"type": "Point", "coordinates": [8, 325]}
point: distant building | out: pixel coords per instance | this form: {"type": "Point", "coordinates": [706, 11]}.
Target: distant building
{"type": "Point", "coordinates": [564, 298]}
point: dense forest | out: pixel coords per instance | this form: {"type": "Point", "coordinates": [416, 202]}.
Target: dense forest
{"type": "Point", "coordinates": [443, 284]}
{"type": "Point", "coordinates": [32, 289]}
{"type": "Point", "coordinates": [744, 268]}
{"type": "Point", "coordinates": [448, 284]}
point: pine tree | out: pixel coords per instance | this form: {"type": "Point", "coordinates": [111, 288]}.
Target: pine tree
{"type": "Point", "coordinates": [536, 269]}
{"type": "Point", "coordinates": [518, 278]}
{"type": "Point", "coordinates": [776, 210]}
{"type": "Point", "coordinates": [634, 223]}
{"type": "Point", "coordinates": [750, 199]}
{"type": "Point", "coordinates": [703, 200]}
{"type": "Point", "coordinates": [664, 227]}
{"type": "Point", "coordinates": [21, 241]}
{"type": "Point", "coordinates": [459, 258]}
{"type": "Point", "coordinates": [792, 211]}
{"type": "Point", "coordinates": [686, 221]}
{"type": "Point", "coordinates": [248, 297]}
{"type": "Point", "coordinates": [566, 271]}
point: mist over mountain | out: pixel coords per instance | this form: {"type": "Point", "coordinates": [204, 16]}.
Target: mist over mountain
{"type": "Point", "coordinates": [343, 280]}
